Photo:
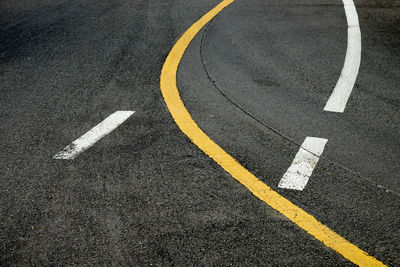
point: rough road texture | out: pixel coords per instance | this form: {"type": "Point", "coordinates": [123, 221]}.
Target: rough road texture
{"type": "Point", "coordinates": [256, 80]}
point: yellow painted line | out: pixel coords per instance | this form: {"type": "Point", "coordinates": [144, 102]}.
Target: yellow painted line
{"type": "Point", "coordinates": [189, 127]}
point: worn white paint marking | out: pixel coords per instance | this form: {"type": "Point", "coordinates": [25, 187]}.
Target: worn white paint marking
{"type": "Point", "coordinates": [94, 135]}
{"type": "Point", "coordinates": [338, 99]}
{"type": "Point", "coordinates": [296, 177]}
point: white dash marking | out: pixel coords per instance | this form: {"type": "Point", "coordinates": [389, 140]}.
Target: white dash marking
{"type": "Point", "coordinates": [296, 177]}
{"type": "Point", "coordinates": [95, 134]}
{"type": "Point", "coordinates": [340, 95]}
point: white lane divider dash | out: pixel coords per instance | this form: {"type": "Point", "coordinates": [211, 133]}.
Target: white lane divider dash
{"type": "Point", "coordinates": [95, 134]}
{"type": "Point", "coordinates": [296, 177]}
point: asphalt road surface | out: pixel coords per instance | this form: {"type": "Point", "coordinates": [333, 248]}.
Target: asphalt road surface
{"type": "Point", "coordinates": [255, 79]}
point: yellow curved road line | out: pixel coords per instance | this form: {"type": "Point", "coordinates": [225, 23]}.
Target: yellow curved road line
{"type": "Point", "coordinates": [189, 127]}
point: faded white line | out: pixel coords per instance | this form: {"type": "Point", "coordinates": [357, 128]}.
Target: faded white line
{"type": "Point", "coordinates": [94, 135]}
{"type": "Point", "coordinates": [296, 177]}
{"type": "Point", "coordinates": [338, 99]}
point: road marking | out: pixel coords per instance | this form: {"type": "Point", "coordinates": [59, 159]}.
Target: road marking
{"type": "Point", "coordinates": [296, 177]}
{"type": "Point", "coordinates": [338, 99]}
{"type": "Point", "coordinates": [189, 127]}
{"type": "Point", "coordinates": [94, 135]}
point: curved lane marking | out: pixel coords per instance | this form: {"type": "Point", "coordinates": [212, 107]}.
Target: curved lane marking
{"type": "Point", "coordinates": [189, 127]}
{"type": "Point", "coordinates": [340, 95]}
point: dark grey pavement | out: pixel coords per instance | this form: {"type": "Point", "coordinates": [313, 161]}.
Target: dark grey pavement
{"type": "Point", "coordinates": [255, 79]}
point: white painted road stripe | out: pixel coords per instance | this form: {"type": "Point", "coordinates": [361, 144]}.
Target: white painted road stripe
{"type": "Point", "coordinates": [94, 135]}
{"type": "Point", "coordinates": [296, 177]}
{"type": "Point", "coordinates": [338, 99]}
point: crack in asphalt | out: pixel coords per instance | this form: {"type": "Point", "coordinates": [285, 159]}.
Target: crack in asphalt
{"type": "Point", "coordinates": [330, 160]}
